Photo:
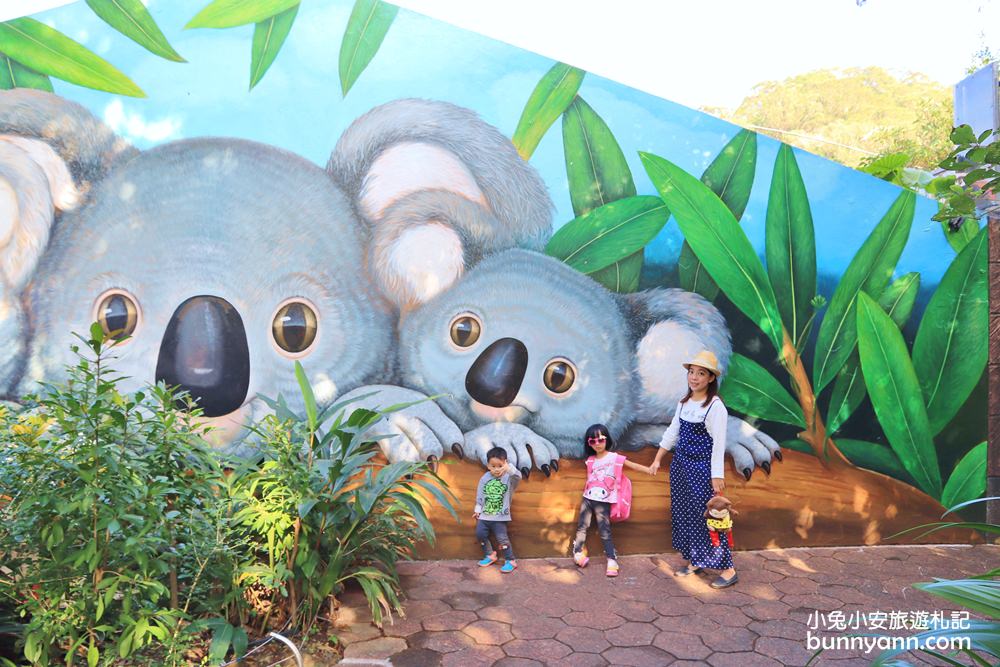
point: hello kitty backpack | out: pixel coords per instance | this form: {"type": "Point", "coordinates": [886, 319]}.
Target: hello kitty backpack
{"type": "Point", "coordinates": [622, 507]}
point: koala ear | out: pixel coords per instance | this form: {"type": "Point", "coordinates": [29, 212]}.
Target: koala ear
{"type": "Point", "coordinates": [669, 326]}
{"type": "Point", "coordinates": [51, 150]}
{"type": "Point", "coordinates": [431, 175]}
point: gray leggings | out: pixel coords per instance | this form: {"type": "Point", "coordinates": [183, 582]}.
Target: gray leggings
{"type": "Point", "coordinates": [602, 512]}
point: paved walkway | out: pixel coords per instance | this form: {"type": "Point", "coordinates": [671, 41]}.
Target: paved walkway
{"type": "Point", "coordinates": [550, 613]}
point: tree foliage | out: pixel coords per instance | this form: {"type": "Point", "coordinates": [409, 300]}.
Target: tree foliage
{"type": "Point", "coordinates": [848, 114]}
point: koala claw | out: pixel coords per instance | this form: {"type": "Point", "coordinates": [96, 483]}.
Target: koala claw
{"type": "Point", "coordinates": [432, 463]}
{"type": "Point", "coordinates": [546, 470]}
{"type": "Point", "coordinates": [525, 448]}
{"type": "Point", "coordinates": [414, 433]}
{"type": "Point", "coordinates": [554, 464]}
{"type": "Point", "coordinates": [778, 455]}
{"type": "Point", "coordinates": [750, 448]}
{"type": "Point", "coordinates": [457, 450]}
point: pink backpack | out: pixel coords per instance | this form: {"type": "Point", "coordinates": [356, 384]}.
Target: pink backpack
{"type": "Point", "coordinates": [622, 507]}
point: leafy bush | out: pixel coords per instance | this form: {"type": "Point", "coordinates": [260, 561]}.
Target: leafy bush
{"type": "Point", "coordinates": [321, 512]}
{"type": "Point", "coordinates": [124, 538]}
{"type": "Point", "coordinates": [111, 511]}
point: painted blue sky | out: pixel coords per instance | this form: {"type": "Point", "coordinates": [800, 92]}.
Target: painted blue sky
{"type": "Point", "coordinates": [298, 106]}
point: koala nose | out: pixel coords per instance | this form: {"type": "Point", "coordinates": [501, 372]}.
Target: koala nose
{"type": "Point", "coordinates": [496, 375]}
{"type": "Point", "coordinates": [204, 352]}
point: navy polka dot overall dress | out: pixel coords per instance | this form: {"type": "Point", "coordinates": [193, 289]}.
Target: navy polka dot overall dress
{"type": "Point", "coordinates": [690, 491]}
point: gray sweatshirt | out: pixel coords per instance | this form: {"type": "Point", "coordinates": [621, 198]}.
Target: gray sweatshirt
{"type": "Point", "coordinates": [493, 495]}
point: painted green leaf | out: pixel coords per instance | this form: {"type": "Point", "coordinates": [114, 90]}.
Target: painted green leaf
{"type": "Point", "coordinates": [750, 389]}
{"type": "Point", "coordinates": [622, 276]}
{"type": "Point", "coordinates": [268, 36]}
{"type": "Point", "coordinates": [231, 13]}
{"type": "Point", "coordinates": [849, 388]}
{"type": "Point", "coordinates": [550, 98]}
{"type": "Point", "coordinates": [132, 19]}
{"type": "Point", "coordinates": [15, 75]}
{"type": "Point", "coordinates": [790, 243]}
{"type": "Point", "coordinates": [595, 165]}
{"type": "Point", "coordinates": [731, 177]}
{"type": "Point", "coordinates": [968, 479]}
{"type": "Point", "coordinates": [598, 174]}
{"type": "Point", "coordinates": [369, 22]}
{"type": "Point", "coordinates": [958, 240]}
{"type": "Point", "coordinates": [952, 343]}
{"type": "Point", "coordinates": [48, 51]}
{"type": "Point", "coordinates": [720, 243]}
{"type": "Point", "coordinates": [869, 271]}
{"type": "Point", "coordinates": [895, 393]}
{"type": "Point", "coordinates": [608, 234]}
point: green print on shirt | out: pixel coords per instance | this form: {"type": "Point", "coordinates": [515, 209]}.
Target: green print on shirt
{"type": "Point", "coordinates": [494, 491]}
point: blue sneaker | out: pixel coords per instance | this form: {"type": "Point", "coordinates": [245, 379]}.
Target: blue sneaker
{"type": "Point", "coordinates": [509, 566]}
{"type": "Point", "coordinates": [488, 560]}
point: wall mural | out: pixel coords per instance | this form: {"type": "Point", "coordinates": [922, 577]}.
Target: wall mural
{"type": "Point", "coordinates": [454, 245]}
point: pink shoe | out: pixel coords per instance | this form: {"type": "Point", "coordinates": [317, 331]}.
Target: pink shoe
{"type": "Point", "coordinates": [580, 559]}
{"type": "Point", "coordinates": [612, 568]}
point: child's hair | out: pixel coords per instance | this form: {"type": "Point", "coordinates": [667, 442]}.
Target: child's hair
{"type": "Point", "coordinates": [497, 453]}
{"type": "Point", "coordinates": [593, 431]}
{"type": "Point", "coordinates": [712, 389]}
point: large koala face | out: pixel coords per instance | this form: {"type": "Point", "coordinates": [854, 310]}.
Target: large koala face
{"type": "Point", "coordinates": [224, 260]}
{"type": "Point", "coordinates": [522, 338]}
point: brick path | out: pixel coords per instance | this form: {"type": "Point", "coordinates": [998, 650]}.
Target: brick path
{"type": "Point", "coordinates": [550, 613]}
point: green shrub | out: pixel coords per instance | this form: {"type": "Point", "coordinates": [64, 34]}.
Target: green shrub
{"type": "Point", "coordinates": [124, 537]}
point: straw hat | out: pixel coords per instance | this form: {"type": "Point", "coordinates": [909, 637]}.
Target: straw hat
{"type": "Point", "coordinates": [706, 360]}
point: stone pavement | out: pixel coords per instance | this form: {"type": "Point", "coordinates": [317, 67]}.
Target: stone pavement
{"type": "Point", "coordinates": [550, 613]}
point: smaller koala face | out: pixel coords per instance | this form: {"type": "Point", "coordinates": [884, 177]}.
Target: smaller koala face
{"type": "Point", "coordinates": [523, 338]}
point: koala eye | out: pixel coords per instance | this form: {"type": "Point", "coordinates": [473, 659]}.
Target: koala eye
{"type": "Point", "coordinates": [294, 326]}
{"type": "Point", "coordinates": [465, 330]}
{"type": "Point", "coordinates": [559, 376]}
{"type": "Point", "coordinates": [118, 313]}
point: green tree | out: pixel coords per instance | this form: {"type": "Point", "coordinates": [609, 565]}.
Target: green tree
{"type": "Point", "coordinates": [847, 115]}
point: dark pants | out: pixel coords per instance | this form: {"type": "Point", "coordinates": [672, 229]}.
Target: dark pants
{"type": "Point", "coordinates": [602, 512]}
{"type": "Point", "coordinates": [499, 530]}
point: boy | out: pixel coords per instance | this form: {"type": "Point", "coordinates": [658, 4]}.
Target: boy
{"type": "Point", "coordinates": [492, 511]}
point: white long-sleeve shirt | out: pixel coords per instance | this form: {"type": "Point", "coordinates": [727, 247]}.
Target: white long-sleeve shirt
{"type": "Point", "coordinates": [715, 424]}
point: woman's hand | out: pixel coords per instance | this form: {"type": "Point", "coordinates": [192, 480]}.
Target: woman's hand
{"type": "Point", "coordinates": [653, 467]}
{"type": "Point", "coordinates": [718, 484]}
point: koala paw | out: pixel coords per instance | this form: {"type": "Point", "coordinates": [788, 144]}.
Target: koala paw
{"type": "Point", "coordinates": [515, 439]}
{"type": "Point", "coordinates": [750, 447]}
{"type": "Point", "coordinates": [415, 433]}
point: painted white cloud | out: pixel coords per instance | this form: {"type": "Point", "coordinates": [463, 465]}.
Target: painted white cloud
{"type": "Point", "coordinates": [133, 126]}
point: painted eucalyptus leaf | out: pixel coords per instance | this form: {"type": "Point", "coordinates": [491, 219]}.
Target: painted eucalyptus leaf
{"type": "Point", "coordinates": [731, 177]}
{"type": "Point", "coordinates": [231, 13]}
{"type": "Point", "coordinates": [132, 19]}
{"type": "Point", "coordinates": [968, 479]}
{"type": "Point", "coordinates": [952, 343]}
{"type": "Point", "coordinates": [15, 75]}
{"type": "Point", "coordinates": [550, 98]}
{"type": "Point", "coordinates": [47, 51]}
{"type": "Point", "coordinates": [895, 393]}
{"type": "Point", "coordinates": [790, 243]}
{"type": "Point", "coordinates": [268, 37]}
{"type": "Point", "coordinates": [719, 241]}
{"type": "Point", "coordinates": [366, 28]}
{"type": "Point", "coordinates": [869, 271]}
{"type": "Point", "coordinates": [751, 390]}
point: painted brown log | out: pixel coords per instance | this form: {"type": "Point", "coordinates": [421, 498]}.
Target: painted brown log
{"type": "Point", "coordinates": [800, 504]}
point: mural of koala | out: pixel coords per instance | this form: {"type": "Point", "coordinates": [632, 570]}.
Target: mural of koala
{"type": "Point", "coordinates": [524, 351]}
{"type": "Point", "coordinates": [222, 259]}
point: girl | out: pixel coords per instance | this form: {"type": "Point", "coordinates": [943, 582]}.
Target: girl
{"type": "Point", "coordinates": [599, 493]}
{"type": "Point", "coordinates": [696, 471]}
